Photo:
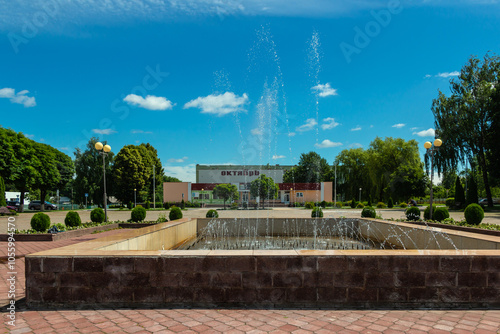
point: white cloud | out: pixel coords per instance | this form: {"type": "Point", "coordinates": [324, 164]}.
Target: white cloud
{"type": "Point", "coordinates": [426, 133]}
{"type": "Point", "coordinates": [151, 102]}
{"type": "Point", "coordinates": [329, 123]}
{"type": "Point", "coordinates": [184, 173]}
{"type": "Point", "coordinates": [327, 143]}
{"type": "Point", "coordinates": [308, 126]}
{"type": "Point", "coordinates": [19, 98]}
{"type": "Point", "coordinates": [29, 136]}
{"type": "Point", "coordinates": [291, 134]}
{"type": "Point", "coordinates": [103, 131]}
{"type": "Point", "coordinates": [443, 75]}
{"type": "Point", "coordinates": [276, 157]}
{"type": "Point", "coordinates": [256, 132]}
{"type": "Point", "coordinates": [219, 105]}
{"type": "Point", "coordinates": [414, 128]}
{"type": "Point", "coordinates": [399, 125]}
{"type": "Point", "coordinates": [63, 148]}
{"type": "Point", "coordinates": [355, 145]}
{"type": "Point", "coordinates": [357, 128]}
{"type": "Point", "coordinates": [324, 90]}
{"type": "Point", "coordinates": [140, 131]}
{"type": "Point", "coordinates": [177, 160]}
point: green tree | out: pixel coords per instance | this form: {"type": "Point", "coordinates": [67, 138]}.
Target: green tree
{"type": "Point", "coordinates": [459, 193]}
{"type": "Point", "coordinates": [49, 176]}
{"type": "Point", "coordinates": [264, 188]}
{"type": "Point", "coordinates": [170, 179]}
{"type": "Point", "coordinates": [472, 196]}
{"type": "Point", "coordinates": [352, 172]}
{"type": "Point", "coordinates": [89, 174]}
{"type": "Point", "coordinates": [226, 191]}
{"type": "Point", "coordinates": [463, 120]}
{"type": "Point", "coordinates": [129, 172]}
{"type": "Point", "coordinates": [3, 202]}
{"type": "Point", "coordinates": [312, 168]}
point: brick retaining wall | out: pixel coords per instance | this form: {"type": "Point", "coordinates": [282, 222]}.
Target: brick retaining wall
{"type": "Point", "coordinates": [338, 281]}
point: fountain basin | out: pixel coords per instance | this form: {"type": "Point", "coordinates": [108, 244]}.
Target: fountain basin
{"type": "Point", "coordinates": [131, 269]}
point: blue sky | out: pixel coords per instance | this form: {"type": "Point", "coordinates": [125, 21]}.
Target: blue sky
{"type": "Point", "coordinates": [242, 82]}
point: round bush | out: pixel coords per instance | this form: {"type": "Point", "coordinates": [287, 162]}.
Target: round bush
{"type": "Point", "coordinates": [413, 213]}
{"type": "Point", "coordinates": [40, 222]}
{"type": "Point", "coordinates": [474, 214]}
{"type": "Point", "coordinates": [368, 212]}
{"type": "Point", "coordinates": [381, 205]}
{"type": "Point", "coordinates": [138, 214]}
{"type": "Point", "coordinates": [212, 214]}
{"type": "Point", "coordinates": [317, 212]}
{"type": "Point", "coordinates": [360, 205]}
{"type": "Point", "coordinates": [175, 213]}
{"type": "Point", "coordinates": [72, 219]}
{"type": "Point", "coordinates": [353, 203]}
{"type": "Point", "coordinates": [97, 215]}
{"type": "Point", "coordinates": [403, 205]}
{"type": "Point", "coordinates": [427, 212]}
{"type": "Point", "coordinates": [450, 202]}
{"type": "Point", "coordinates": [440, 214]}
{"type": "Point", "coordinates": [390, 204]}
{"type": "Point", "coordinates": [309, 205]}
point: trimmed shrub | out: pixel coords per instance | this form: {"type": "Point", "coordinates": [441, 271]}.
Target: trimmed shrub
{"type": "Point", "coordinates": [323, 204]}
{"type": "Point", "coordinates": [427, 212]}
{"type": "Point", "coordinates": [369, 203]}
{"type": "Point", "coordinates": [317, 212]}
{"type": "Point", "coordinates": [138, 214]}
{"type": "Point", "coordinates": [339, 205]}
{"type": "Point", "coordinates": [166, 205]}
{"type": "Point", "coordinates": [147, 205]}
{"type": "Point", "coordinates": [129, 205]}
{"type": "Point", "coordinates": [175, 213]}
{"type": "Point", "coordinates": [381, 205]}
{"type": "Point", "coordinates": [353, 203]}
{"type": "Point", "coordinates": [390, 203]}
{"type": "Point", "coordinates": [413, 213]}
{"type": "Point", "coordinates": [368, 212]}
{"type": "Point", "coordinates": [450, 202]}
{"type": "Point", "coordinates": [474, 214]}
{"type": "Point", "coordinates": [183, 205]}
{"type": "Point", "coordinates": [212, 214]}
{"type": "Point", "coordinates": [309, 205]}
{"type": "Point", "coordinates": [72, 219]}
{"type": "Point", "coordinates": [97, 215]}
{"type": "Point", "coordinates": [403, 205]}
{"type": "Point", "coordinates": [440, 214]}
{"type": "Point", "coordinates": [360, 205]}
{"type": "Point", "coordinates": [40, 222]}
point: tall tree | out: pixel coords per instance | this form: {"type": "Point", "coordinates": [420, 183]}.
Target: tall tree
{"type": "Point", "coordinates": [89, 174]}
{"type": "Point", "coordinates": [462, 120]}
{"type": "Point", "coordinates": [3, 202]}
{"type": "Point", "coordinates": [459, 193]}
{"type": "Point", "coordinates": [226, 192]}
{"type": "Point", "coordinates": [312, 168]}
{"type": "Point", "coordinates": [264, 188]}
{"type": "Point", "coordinates": [352, 172]}
{"type": "Point", "coordinates": [49, 176]}
{"type": "Point", "coordinates": [472, 196]}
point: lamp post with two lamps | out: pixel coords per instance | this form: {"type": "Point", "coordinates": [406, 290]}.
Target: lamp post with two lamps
{"type": "Point", "coordinates": [431, 149]}
{"type": "Point", "coordinates": [104, 150]}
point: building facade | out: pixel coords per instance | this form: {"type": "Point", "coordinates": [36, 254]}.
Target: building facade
{"type": "Point", "coordinates": [209, 176]}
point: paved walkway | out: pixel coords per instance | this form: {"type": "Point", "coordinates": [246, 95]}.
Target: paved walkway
{"type": "Point", "coordinates": [225, 321]}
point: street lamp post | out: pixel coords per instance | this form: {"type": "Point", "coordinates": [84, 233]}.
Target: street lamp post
{"type": "Point", "coordinates": [135, 197]}
{"type": "Point", "coordinates": [335, 189]}
{"type": "Point", "coordinates": [202, 197]}
{"type": "Point", "coordinates": [431, 149]}
{"type": "Point", "coordinates": [104, 150]}
{"type": "Point", "coordinates": [291, 196]}
{"type": "Point", "coordinates": [360, 195]}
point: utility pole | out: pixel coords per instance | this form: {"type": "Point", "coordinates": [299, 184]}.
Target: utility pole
{"type": "Point", "coordinates": [154, 192]}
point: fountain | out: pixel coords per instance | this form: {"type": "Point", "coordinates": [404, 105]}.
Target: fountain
{"type": "Point", "coordinates": [271, 262]}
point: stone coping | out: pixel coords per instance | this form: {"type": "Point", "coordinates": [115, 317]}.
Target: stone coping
{"type": "Point", "coordinates": [93, 247]}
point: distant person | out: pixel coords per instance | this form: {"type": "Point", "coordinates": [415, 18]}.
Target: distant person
{"type": "Point", "coordinates": [412, 202]}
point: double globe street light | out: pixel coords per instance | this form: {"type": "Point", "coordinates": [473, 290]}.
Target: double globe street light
{"type": "Point", "coordinates": [104, 150]}
{"type": "Point", "coordinates": [431, 149]}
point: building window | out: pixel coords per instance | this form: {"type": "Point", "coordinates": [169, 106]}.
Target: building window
{"type": "Point", "coordinates": [299, 194]}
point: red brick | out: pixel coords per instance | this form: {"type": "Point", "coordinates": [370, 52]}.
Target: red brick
{"type": "Point", "coordinates": [472, 279]}
{"type": "Point", "coordinates": [448, 279]}
{"type": "Point", "coordinates": [332, 264]}
{"type": "Point", "coordinates": [362, 295]}
{"type": "Point", "coordinates": [57, 264]}
{"type": "Point", "coordinates": [88, 264]}
{"type": "Point", "coordinates": [393, 263]}
{"type": "Point", "coordinates": [286, 279]}
{"type": "Point", "coordinates": [332, 294]}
